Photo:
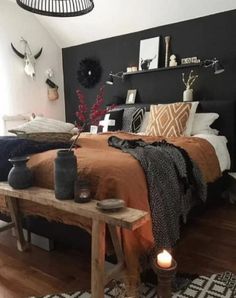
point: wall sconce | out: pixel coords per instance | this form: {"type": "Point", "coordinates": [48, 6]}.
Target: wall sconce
{"type": "Point", "coordinates": [215, 64]}
{"type": "Point", "coordinates": [119, 75]}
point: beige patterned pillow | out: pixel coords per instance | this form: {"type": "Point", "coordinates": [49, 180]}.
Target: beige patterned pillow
{"type": "Point", "coordinates": [168, 120]}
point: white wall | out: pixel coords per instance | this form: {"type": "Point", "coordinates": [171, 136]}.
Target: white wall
{"type": "Point", "coordinates": [117, 17]}
{"type": "Point", "coordinates": [19, 93]}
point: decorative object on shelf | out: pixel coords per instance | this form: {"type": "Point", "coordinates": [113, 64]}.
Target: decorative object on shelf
{"type": "Point", "coordinates": [82, 192]}
{"type": "Point", "coordinates": [167, 43]}
{"type": "Point", "coordinates": [132, 68]}
{"type": "Point", "coordinates": [149, 53]}
{"type": "Point", "coordinates": [20, 176]}
{"type": "Point", "coordinates": [165, 274]}
{"type": "Point", "coordinates": [89, 72]}
{"type": "Point", "coordinates": [173, 61]}
{"type": "Point", "coordinates": [190, 60]}
{"type": "Point", "coordinates": [93, 129]}
{"type": "Point", "coordinates": [119, 75]}
{"type": "Point", "coordinates": [55, 8]}
{"type": "Point", "coordinates": [65, 174]}
{"type": "Point", "coordinates": [188, 93]}
{"type": "Point", "coordinates": [110, 205]}
{"type": "Point", "coordinates": [52, 87]}
{"type": "Point", "coordinates": [215, 64]}
{"type": "Point", "coordinates": [131, 95]}
{"type": "Point", "coordinates": [29, 58]}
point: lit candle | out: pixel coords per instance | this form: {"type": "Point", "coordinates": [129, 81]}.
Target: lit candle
{"type": "Point", "coordinates": [164, 259]}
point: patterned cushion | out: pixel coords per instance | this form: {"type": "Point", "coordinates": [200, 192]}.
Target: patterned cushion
{"type": "Point", "coordinates": [132, 119]}
{"type": "Point", "coordinates": [127, 118]}
{"type": "Point", "coordinates": [41, 124]}
{"type": "Point", "coordinates": [117, 116]}
{"type": "Point", "coordinates": [112, 121]}
{"type": "Point", "coordinates": [168, 120]}
{"type": "Point", "coordinates": [137, 119]}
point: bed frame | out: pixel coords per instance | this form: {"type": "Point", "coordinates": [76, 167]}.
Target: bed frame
{"type": "Point", "coordinates": [226, 124]}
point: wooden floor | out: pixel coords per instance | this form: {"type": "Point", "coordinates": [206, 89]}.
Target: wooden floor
{"type": "Point", "coordinates": [208, 246]}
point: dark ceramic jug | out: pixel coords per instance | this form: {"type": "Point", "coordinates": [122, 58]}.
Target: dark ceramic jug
{"type": "Point", "coordinates": [20, 176]}
{"type": "Point", "coordinates": [65, 174]}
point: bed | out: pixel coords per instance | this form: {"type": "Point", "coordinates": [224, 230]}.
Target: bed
{"type": "Point", "coordinates": [109, 171]}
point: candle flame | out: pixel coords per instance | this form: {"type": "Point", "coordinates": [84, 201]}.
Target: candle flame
{"type": "Point", "coordinates": [165, 252]}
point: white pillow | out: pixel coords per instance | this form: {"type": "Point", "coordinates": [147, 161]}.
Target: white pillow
{"type": "Point", "coordinates": [40, 124]}
{"type": "Point", "coordinates": [190, 120]}
{"type": "Point", "coordinates": [144, 122]}
{"type": "Point", "coordinates": [202, 122]}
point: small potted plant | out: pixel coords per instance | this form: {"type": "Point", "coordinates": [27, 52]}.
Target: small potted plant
{"type": "Point", "coordinates": [188, 93]}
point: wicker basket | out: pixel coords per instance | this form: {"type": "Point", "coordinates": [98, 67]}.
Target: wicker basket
{"type": "Point", "coordinates": [44, 136]}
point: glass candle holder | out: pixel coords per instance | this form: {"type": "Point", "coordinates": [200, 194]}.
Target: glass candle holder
{"type": "Point", "coordinates": [82, 192]}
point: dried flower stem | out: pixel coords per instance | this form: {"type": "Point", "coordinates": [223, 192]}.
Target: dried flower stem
{"type": "Point", "coordinates": [76, 138]}
{"type": "Point", "coordinates": [190, 81]}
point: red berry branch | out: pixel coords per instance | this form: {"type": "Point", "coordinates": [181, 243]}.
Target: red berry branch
{"type": "Point", "coordinates": [93, 116]}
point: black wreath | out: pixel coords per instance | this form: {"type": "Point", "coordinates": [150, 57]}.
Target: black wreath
{"type": "Point", "coordinates": [89, 72]}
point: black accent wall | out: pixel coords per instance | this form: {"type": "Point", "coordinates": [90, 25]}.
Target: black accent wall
{"type": "Point", "coordinates": [206, 37]}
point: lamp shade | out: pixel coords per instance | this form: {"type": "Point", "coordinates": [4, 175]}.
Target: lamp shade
{"type": "Point", "coordinates": [57, 8]}
{"type": "Point", "coordinates": [110, 81]}
{"type": "Point", "coordinates": [218, 68]}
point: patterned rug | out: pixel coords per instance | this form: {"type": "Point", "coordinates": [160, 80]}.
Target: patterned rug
{"type": "Point", "coordinates": [222, 285]}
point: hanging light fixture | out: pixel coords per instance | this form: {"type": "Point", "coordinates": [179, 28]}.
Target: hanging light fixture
{"type": "Point", "coordinates": [57, 8]}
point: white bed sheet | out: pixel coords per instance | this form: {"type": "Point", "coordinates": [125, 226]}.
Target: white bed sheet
{"type": "Point", "coordinates": [220, 145]}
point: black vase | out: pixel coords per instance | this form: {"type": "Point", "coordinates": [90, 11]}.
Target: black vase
{"type": "Point", "coordinates": [20, 176]}
{"type": "Point", "coordinates": [65, 174]}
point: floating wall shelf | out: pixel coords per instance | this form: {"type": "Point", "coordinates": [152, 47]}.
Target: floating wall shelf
{"type": "Point", "coordinates": [161, 69]}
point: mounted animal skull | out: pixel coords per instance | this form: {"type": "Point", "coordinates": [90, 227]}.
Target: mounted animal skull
{"type": "Point", "coordinates": [29, 58]}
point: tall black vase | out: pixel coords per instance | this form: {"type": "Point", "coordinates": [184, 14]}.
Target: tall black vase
{"type": "Point", "coordinates": [20, 176]}
{"type": "Point", "coordinates": [65, 174]}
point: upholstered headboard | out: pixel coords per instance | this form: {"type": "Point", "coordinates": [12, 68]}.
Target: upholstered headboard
{"type": "Point", "coordinates": [226, 123]}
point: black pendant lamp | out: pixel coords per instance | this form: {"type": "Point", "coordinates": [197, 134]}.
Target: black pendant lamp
{"type": "Point", "coordinates": [57, 8]}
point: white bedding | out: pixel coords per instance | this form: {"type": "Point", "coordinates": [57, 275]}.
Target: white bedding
{"type": "Point", "coordinates": [220, 145]}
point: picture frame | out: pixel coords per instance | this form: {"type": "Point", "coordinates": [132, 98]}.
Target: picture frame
{"type": "Point", "coordinates": [149, 53]}
{"type": "Point", "coordinates": [131, 96]}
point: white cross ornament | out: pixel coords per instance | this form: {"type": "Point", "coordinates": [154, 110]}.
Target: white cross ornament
{"type": "Point", "coordinates": [107, 122]}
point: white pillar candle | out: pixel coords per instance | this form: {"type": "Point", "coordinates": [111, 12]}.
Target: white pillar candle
{"type": "Point", "coordinates": [164, 259]}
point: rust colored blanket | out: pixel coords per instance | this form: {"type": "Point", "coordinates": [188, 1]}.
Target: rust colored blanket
{"type": "Point", "coordinates": [115, 174]}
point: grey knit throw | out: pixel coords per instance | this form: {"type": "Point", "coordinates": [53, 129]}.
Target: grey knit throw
{"type": "Point", "coordinates": [175, 184]}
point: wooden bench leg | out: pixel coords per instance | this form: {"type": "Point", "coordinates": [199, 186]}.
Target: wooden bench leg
{"type": "Point", "coordinates": [98, 259]}
{"type": "Point", "coordinates": [120, 271]}
{"type": "Point", "coordinates": [16, 219]}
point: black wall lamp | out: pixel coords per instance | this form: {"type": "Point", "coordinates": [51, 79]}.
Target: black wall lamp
{"type": "Point", "coordinates": [215, 64]}
{"type": "Point", "coordinates": [119, 75]}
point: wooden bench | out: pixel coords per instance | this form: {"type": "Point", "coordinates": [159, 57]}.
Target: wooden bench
{"type": "Point", "coordinates": [127, 218]}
